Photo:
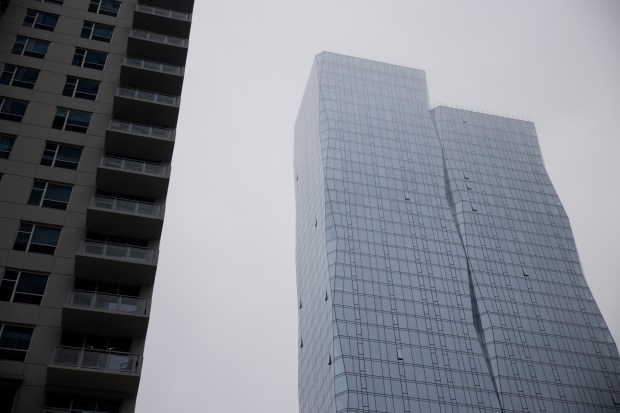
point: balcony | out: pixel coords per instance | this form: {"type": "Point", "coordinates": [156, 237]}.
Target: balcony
{"type": "Point", "coordinates": [106, 314]}
{"type": "Point", "coordinates": [116, 263]}
{"type": "Point", "coordinates": [146, 107]}
{"type": "Point", "coordinates": [160, 20]}
{"type": "Point", "coordinates": [158, 47]}
{"type": "Point", "coordinates": [149, 75]}
{"type": "Point", "coordinates": [137, 140]}
{"type": "Point", "coordinates": [125, 218]}
{"type": "Point", "coordinates": [94, 369]}
{"type": "Point", "coordinates": [129, 176]}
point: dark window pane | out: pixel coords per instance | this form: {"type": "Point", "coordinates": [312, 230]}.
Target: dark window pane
{"type": "Point", "coordinates": [6, 145]}
{"type": "Point", "coordinates": [7, 74]}
{"type": "Point", "coordinates": [31, 283]}
{"type": "Point", "coordinates": [68, 157]}
{"type": "Point", "coordinates": [45, 235]}
{"type": "Point", "coordinates": [95, 60]}
{"type": "Point", "coordinates": [16, 337]}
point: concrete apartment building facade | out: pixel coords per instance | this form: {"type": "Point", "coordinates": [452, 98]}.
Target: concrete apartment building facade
{"type": "Point", "coordinates": [436, 267]}
{"type": "Point", "coordinates": [89, 100]}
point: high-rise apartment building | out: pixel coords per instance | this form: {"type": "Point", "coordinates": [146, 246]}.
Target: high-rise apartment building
{"type": "Point", "coordinates": [436, 268]}
{"type": "Point", "coordinates": [89, 100]}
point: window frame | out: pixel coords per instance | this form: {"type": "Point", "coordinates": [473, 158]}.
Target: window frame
{"type": "Point", "coordinates": [33, 19]}
{"type": "Point", "coordinates": [12, 116]}
{"type": "Point", "coordinates": [39, 192]}
{"type": "Point", "coordinates": [12, 75]}
{"type": "Point", "coordinates": [81, 54]}
{"type": "Point", "coordinates": [75, 83]}
{"type": "Point", "coordinates": [40, 248]}
{"type": "Point", "coordinates": [5, 137]}
{"type": "Point", "coordinates": [62, 120]}
{"type": "Point", "coordinates": [89, 31]}
{"type": "Point", "coordinates": [55, 162]}
{"type": "Point", "coordinates": [14, 349]}
{"type": "Point", "coordinates": [14, 289]}
{"type": "Point", "coordinates": [97, 6]}
{"type": "Point", "coordinates": [25, 46]}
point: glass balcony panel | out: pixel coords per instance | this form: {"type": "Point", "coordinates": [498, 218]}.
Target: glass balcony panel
{"type": "Point", "coordinates": [147, 209]}
{"type": "Point", "coordinates": [147, 96]}
{"type": "Point", "coordinates": [121, 91]}
{"type": "Point", "coordinates": [67, 356]}
{"type": "Point", "coordinates": [103, 202]}
{"type": "Point", "coordinates": [110, 302]}
{"type": "Point", "coordinates": [159, 11]}
{"type": "Point", "coordinates": [95, 359]}
{"type": "Point", "coordinates": [133, 165]}
{"type": "Point", "coordinates": [123, 205]}
{"type": "Point", "coordinates": [139, 129]}
{"type": "Point", "coordinates": [95, 248]}
{"type": "Point", "coordinates": [144, 95]}
{"type": "Point", "coordinates": [112, 162]}
{"type": "Point", "coordinates": [130, 304]}
{"type": "Point", "coordinates": [106, 302]}
{"type": "Point", "coordinates": [152, 65]}
{"type": "Point", "coordinates": [117, 251]}
{"type": "Point", "coordinates": [126, 205]}
{"type": "Point", "coordinates": [137, 253]}
{"type": "Point", "coordinates": [82, 298]}
{"type": "Point", "coordinates": [167, 100]}
{"type": "Point", "coordinates": [121, 362]}
{"type": "Point", "coordinates": [153, 169]}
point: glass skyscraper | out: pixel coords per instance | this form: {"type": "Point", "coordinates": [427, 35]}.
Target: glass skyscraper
{"type": "Point", "coordinates": [436, 268]}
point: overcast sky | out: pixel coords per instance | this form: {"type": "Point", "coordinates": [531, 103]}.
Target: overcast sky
{"type": "Point", "coordinates": [223, 330]}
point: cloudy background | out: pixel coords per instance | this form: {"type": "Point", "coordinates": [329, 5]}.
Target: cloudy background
{"type": "Point", "coordinates": [223, 332]}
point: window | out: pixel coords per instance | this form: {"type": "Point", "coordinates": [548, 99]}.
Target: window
{"type": "Point", "coordinates": [37, 238]}
{"type": "Point", "coordinates": [22, 286]}
{"type": "Point", "coordinates": [72, 120]}
{"type": "Point", "coordinates": [27, 46]}
{"type": "Point", "coordinates": [40, 20]}
{"type": "Point", "coordinates": [61, 156]}
{"type": "Point", "coordinates": [107, 7]}
{"type": "Point", "coordinates": [19, 76]}
{"type": "Point", "coordinates": [81, 88]}
{"type": "Point", "coordinates": [50, 195]}
{"type": "Point", "coordinates": [14, 342]}
{"type": "Point", "coordinates": [12, 109]}
{"type": "Point", "coordinates": [97, 31]}
{"type": "Point", "coordinates": [53, 1]}
{"type": "Point", "coordinates": [6, 145]}
{"type": "Point", "coordinates": [89, 58]}
{"type": "Point", "coordinates": [62, 403]}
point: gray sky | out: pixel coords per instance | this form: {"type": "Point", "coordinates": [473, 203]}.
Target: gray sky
{"type": "Point", "coordinates": [223, 331]}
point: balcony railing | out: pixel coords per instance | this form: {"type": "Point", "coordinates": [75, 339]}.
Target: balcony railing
{"type": "Point", "coordinates": [124, 252]}
{"type": "Point", "coordinates": [164, 12]}
{"type": "Point", "coordinates": [147, 96]}
{"type": "Point", "coordinates": [127, 206]}
{"type": "Point", "coordinates": [154, 66]}
{"type": "Point", "coordinates": [132, 165]}
{"type": "Point", "coordinates": [96, 359]}
{"type": "Point", "coordinates": [159, 38]}
{"type": "Point", "coordinates": [108, 302]}
{"type": "Point", "coordinates": [144, 130]}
